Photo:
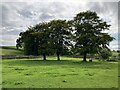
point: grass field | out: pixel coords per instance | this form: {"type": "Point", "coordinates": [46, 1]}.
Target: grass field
{"type": "Point", "coordinates": [67, 73]}
{"type": "Point", "coordinates": [10, 50]}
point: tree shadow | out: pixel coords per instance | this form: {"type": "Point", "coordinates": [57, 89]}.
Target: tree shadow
{"type": "Point", "coordinates": [63, 63]}
{"type": "Point", "coordinates": [66, 63]}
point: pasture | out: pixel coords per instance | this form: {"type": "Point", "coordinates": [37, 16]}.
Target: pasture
{"type": "Point", "coordinates": [10, 50]}
{"type": "Point", "coordinates": [67, 73]}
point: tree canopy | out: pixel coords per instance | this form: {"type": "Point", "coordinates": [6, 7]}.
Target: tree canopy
{"type": "Point", "coordinates": [89, 35]}
{"type": "Point", "coordinates": [85, 33]}
{"type": "Point", "coordinates": [60, 36]}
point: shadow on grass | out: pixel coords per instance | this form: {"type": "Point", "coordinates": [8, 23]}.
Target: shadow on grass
{"type": "Point", "coordinates": [62, 63]}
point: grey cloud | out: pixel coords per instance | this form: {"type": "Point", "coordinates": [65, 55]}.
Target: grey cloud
{"type": "Point", "coordinates": [53, 10]}
{"type": "Point", "coordinates": [9, 35]}
{"type": "Point", "coordinates": [8, 39]}
{"type": "Point", "coordinates": [15, 15]}
{"type": "Point", "coordinates": [104, 7]}
{"type": "Point", "coordinates": [119, 24]}
{"type": "Point", "coordinates": [4, 15]}
{"type": "Point", "coordinates": [96, 7]}
{"type": "Point", "coordinates": [46, 16]}
{"type": "Point", "coordinates": [108, 11]}
{"type": "Point", "coordinates": [119, 13]}
{"type": "Point", "coordinates": [7, 15]}
{"type": "Point", "coordinates": [25, 13]}
{"type": "Point", "coordinates": [11, 31]}
{"type": "Point", "coordinates": [11, 17]}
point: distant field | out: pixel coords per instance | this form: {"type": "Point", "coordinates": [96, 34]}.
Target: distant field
{"type": "Point", "coordinates": [115, 53]}
{"type": "Point", "coordinates": [67, 73]}
{"type": "Point", "coordinates": [10, 50]}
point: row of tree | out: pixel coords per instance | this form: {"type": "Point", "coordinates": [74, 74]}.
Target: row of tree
{"type": "Point", "coordinates": [84, 35]}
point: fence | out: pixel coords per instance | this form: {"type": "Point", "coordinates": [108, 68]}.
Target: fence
{"type": "Point", "coordinates": [18, 57]}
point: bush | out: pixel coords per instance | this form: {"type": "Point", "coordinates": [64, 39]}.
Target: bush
{"type": "Point", "coordinates": [105, 54]}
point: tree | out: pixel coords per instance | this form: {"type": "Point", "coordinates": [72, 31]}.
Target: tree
{"type": "Point", "coordinates": [89, 35]}
{"type": "Point", "coordinates": [60, 36]}
{"type": "Point", "coordinates": [28, 41]}
{"type": "Point", "coordinates": [18, 43]}
{"type": "Point", "coordinates": [42, 33]}
{"type": "Point", "coordinates": [35, 40]}
{"type": "Point", "coordinates": [105, 54]}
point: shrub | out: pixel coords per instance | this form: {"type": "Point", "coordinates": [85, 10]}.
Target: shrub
{"type": "Point", "coordinates": [105, 54]}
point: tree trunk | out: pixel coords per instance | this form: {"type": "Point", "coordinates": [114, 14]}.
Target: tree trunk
{"type": "Point", "coordinates": [17, 47]}
{"type": "Point", "coordinates": [58, 55]}
{"type": "Point", "coordinates": [84, 58]}
{"type": "Point", "coordinates": [44, 56]}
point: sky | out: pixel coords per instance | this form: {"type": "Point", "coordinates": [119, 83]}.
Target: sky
{"type": "Point", "coordinates": [17, 15]}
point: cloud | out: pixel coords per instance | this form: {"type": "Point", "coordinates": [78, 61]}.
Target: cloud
{"type": "Point", "coordinates": [114, 47]}
{"type": "Point", "coordinates": [11, 31]}
{"type": "Point", "coordinates": [6, 40]}
{"type": "Point", "coordinates": [59, 1]}
{"type": "Point", "coordinates": [11, 16]}
{"type": "Point", "coordinates": [108, 11]}
{"type": "Point", "coordinates": [17, 16]}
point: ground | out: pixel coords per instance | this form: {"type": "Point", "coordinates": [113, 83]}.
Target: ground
{"type": "Point", "coordinates": [67, 73]}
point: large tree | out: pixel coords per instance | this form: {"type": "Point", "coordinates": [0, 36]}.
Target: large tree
{"type": "Point", "coordinates": [28, 41]}
{"type": "Point", "coordinates": [89, 33]}
{"type": "Point", "coordinates": [60, 36]}
{"type": "Point", "coordinates": [42, 33]}
{"type": "Point", "coordinates": [35, 40]}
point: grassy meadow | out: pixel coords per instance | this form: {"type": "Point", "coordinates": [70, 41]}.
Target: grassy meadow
{"type": "Point", "coordinates": [10, 50]}
{"type": "Point", "coordinates": [67, 73]}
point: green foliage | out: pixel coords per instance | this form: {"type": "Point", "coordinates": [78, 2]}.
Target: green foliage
{"type": "Point", "coordinates": [89, 36]}
{"type": "Point", "coordinates": [45, 38]}
{"type": "Point", "coordinates": [29, 42]}
{"type": "Point", "coordinates": [105, 54]}
{"type": "Point", "coordinates": [84, 35]}
{"type": "Point", "coordinates": [42, 34]}
{"type": "Point", "coordinates": [60, 36]}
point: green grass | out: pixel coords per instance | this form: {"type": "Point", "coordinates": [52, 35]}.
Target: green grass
{"type": "Point", "coordinates": [0, 73]}
{"type": "Point", "coordinates": [67, 73]}
{"type": "Point", "coordinates": [10, 50]}
{"type": "Point", "coordinates": [114, 53]}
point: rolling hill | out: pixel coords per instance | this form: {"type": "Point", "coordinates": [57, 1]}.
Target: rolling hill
{"type": "Point", "coordinates": [10, 50]}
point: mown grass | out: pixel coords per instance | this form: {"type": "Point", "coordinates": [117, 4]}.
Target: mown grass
{"type": "Point", "coordinates": [67, 73]}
